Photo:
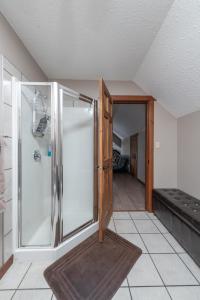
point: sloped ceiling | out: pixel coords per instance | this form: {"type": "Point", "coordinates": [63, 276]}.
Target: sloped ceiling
{"type": "Point", "coordinates": [87, 39]}
{"type": "Point", "coordinates": [128, 119]}
{"type": "Point", "coordinates": [171, 69]}
{"type": "Point", "coordinates": [155, 43]}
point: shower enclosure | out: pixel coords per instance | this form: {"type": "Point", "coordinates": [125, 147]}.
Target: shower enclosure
{"type": "Point", "coordinates": [57, 165]}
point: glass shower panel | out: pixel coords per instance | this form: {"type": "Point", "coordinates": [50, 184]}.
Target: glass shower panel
{"type": "Point", "coordinates": [78, 163]}
{"type": "Point", "coordinates": [35, 159]}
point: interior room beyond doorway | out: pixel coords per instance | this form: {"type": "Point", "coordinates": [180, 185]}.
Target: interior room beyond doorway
{"type": "Point", "coordinates": [129, 157]}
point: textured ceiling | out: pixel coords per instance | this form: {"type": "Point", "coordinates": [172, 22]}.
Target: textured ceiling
{"type": "Point", "coordinates": [87, 39]}
{"type": "Point", "coordinates": [171, 68]}
{"type": "Point", "coordinates": [128, 119]}
{"type": "Point", "coordinates": [155, 43]}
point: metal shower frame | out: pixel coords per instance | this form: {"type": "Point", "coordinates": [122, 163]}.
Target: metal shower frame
{"type": "Point", "coordinates": [57, 91]}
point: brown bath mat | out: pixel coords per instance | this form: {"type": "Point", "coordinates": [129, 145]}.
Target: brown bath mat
{"type": "Point", "coordinates": [92, 270]}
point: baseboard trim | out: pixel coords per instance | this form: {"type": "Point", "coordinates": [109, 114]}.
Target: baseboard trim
{"type": "Point", "coordinates": [6, 266]}
{"type": "Point", "coordinates": [141, 181]}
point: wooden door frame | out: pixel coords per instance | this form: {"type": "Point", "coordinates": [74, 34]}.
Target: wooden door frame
{"type": "Point", "coordinates": [134, 135]}
{"type": "Point", "coordinates": [149, 173]}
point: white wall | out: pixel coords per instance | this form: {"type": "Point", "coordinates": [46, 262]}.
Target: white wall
{"type": "Point", "coordinates": [128, 119]}
{"type": "Point", "coordinates": [22, 63]}
{"type": "Point", "coordinates": [189, 154]}
{"type": "Point", "coordinates": [141, 162]}
{"type": "Point", "coordinates": [14, 50]}
{"type": "Point", "coordinates": [91, 87]}
{"type": "Point", "coordinates": [126, 146]}
{"type": "Point", "coordinates": [165, 157]}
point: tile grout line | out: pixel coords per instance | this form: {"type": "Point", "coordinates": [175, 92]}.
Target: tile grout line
{"type": "Point", "coordinates": [156, 286]}
{"type": "Point", "coordinates": [188, 267]}
{"type": "Point", "coordinates": [21, 280]}
{"type": "Point", "coordinates": [177, 253]}
{"type": "Point", "coordinates": [160, 232]}
{"type": "Point", "coordinates": [161, 277]}
{"type": "Point", "coordinates": [146, 286]}
{"type": "Point", "coordinates": [24, 289]}
{"type": "Point", "coordinates": [114, 225]}
{"type": "Point", "coordinates": [132, 297]}
{"type": "Point", "coordinates": [126, 277]}
{"type": "Point", "coordinates": [166, 238]}
{"type": "Point", "coordinates": [129, 289]}
{"type": "Point", "coordinates": [152, 260]}
{"type": "Point", "coordinates": [25, 274]}
{"type": "Point", "coordinates": [145, 233]}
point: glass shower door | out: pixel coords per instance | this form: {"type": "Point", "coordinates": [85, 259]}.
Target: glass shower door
{"type": "Point", "coordinates": [35, 164]}
{"type": "Point", "coordinates": [57, 163]}
{"type": "Point", "coordinates": [77, 127]}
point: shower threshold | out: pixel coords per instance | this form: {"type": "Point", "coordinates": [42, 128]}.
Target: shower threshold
{"type": "Point", "coordinates": [51, 253]}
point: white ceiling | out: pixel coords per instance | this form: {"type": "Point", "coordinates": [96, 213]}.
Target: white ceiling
{"type": "Point", "coordinates": [87, 39]}
{"type": "Point", "coordinates": [171, 68]}
{"type": "Point", "coordinates": [128, 119]}
{"type": "Point", "coordinates": [156, 43]}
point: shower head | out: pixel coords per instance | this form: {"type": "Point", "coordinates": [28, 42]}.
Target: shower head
{"type": "Point", "coordinates": [42, 125]}
{"type": "Point", "coordinates": [40, 115]}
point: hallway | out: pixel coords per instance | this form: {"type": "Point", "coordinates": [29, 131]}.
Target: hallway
{"type": "Point", "coordinates": [128, 193]}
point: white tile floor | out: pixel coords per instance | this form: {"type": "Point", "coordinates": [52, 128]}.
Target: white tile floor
{"type": "Point", "coordinates": [163, 272]}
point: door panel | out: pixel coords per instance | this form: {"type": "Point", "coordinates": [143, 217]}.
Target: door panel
{"type": "Point", "coordinates": [105, 159]}
{"type": "Point", "coordinates": [77, 123]}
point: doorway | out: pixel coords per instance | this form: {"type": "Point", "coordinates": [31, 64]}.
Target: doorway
{"type": "Point", "coordinates": [105, 156]}
{"type": "Point", "coordinates": [148, 101]}
{"type": "Point", "coordinates": [129, 150]}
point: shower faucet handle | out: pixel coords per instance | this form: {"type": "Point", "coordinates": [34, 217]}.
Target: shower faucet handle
{"type": "Point", "coordinates": [37, 155]}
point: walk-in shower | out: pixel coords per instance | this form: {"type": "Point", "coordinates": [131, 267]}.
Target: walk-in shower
{"type": "Point", "coordinates": [56, 160]}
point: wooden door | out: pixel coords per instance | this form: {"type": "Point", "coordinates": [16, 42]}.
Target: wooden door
{"type": "Point", "coordinates": [105, 158]}
{"type": "Point", "coordinates": [133, 154]}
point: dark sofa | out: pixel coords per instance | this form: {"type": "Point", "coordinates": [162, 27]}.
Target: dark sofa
{"type": "Point", "coordinates": [180, 213]}
{"type": "Point", "coordinates": [120, 162]}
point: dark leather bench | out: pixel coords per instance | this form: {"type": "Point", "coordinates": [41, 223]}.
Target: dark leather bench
{"type": "Point", "coordinates": [180, 213]}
